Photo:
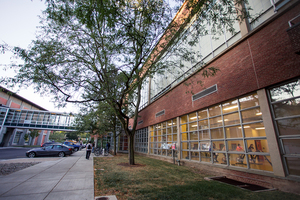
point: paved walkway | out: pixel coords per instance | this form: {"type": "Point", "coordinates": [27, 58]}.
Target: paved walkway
{"type": "Point", "coordinates": [66, 178]}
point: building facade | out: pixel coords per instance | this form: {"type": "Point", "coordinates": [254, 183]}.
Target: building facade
{"type": "Point", "coordinates": [245, 120]}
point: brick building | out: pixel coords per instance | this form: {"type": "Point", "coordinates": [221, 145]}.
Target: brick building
{"type": "Point", "coordinates": [244, 122]}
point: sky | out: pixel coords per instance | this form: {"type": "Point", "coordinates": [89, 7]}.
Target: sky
{"type": "Point", "coordinates": [18, 22]}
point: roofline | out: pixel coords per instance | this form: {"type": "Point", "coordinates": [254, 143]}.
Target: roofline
{"type": "Point", "coordinates": [13, 94]}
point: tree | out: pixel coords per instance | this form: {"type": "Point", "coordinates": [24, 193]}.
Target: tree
{"type": "Point", "coordinates": [99, 119]}
{"type": "Point", "coordinates": [94, 51]}
{"type": "Point", "coordinates": [57, 136]}
{"type": "Point", "coordinates": [33, 134]}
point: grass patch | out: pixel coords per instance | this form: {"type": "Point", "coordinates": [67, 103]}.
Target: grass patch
{"type": "Point", "coordinates": [155, 179]}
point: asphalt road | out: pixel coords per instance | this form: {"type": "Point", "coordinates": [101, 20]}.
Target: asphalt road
{"type": "Point", "coordinates": [11, 153]}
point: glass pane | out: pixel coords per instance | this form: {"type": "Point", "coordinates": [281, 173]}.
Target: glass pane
{"type": "Point", "coordinates": [285, 91]}
{"type": "Point", "coordinates": [251, 115]}
{"type": "Point", "coordinates": [174, 122]}
{"type": "Point", "coordinates": [215, 122]}
{"type": "Point", "coordinates": [193, 126]}
{"type": "Point", "coordinates": [260, 162]}
{"type": "Point", "coordinates": [289, 126]}
{"type": "Point", "coordinates": [237, 160]}
{"type": "Point", "coordinates": [185, 145]}
{"type": "Point", "coordinates": [195, 156]}
{"type": "Point", "coordinates": [293, 165]}
{"type": "Point", "coordinates": [169, 130]}
{"type": "Point", "coordinates": [185, 155]}
{"type": "Point", "coordinates": [249, 101]}
{"type": "Point", "coordinates": [202, 114]}
{"type": "Point", "coordinates": [234, 132]}
{"type": "Point", "coordinates": [194, 136]}
{"type": "Point", "coordinates": [169, 123]}
{"type": "Point", "coordinates": [203, 124]}
{"type": "Point", "coordinates": [205, 156]}
{"type": "Point", "coordinates": [164, 131]}
{"type": "Point", "coordinates": [217, 133]}
{"type": "Point", "coordinates": [184, 128]}
{"type": "Point", "coordinates": [159, 139]}
{"type": "Point", "coordinates": [215, 110]}
{"type": "Point", "coordinates": [257, 146]}
{"type": "Point", "coordinates": [291, 146]}
{"type": "Point", "coordinates": [192, 117]}
{"type": "Point", "coordinates": [175, 137]}
{"type": "Point", "coordinates": [174, 129]}
{"type": "Point", "coordinates": [169, 152]}
{"type": "Point", "coordinates": [169, 138]}
{"type": "Point", "coordinates": [184, 136]}
{"type": "Point", "coordinates": [204, 146]}
{"type": "Point", "coordinates": [254, 130]}
{"type": "Point", "coordinates": [230, 106]}
{"type": "Point", "coordinates": [236, 145]}
{"type": "Point", "coordinates": [159, 132]}
{"type": "Point", "coordinates": [183, 119]}
{"type": "Point", "coordinates": [204, 134]}
{"type": "Point", "coordinates": [287, 108]}
{"type": "Point", "coordinates": [194, 145]}
{"type": "Point", "coordinates": [163, 125]}
{"type": "Point", "coordinates": [232, 119]}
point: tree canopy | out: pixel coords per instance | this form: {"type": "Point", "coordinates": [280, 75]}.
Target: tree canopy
{"type": "Point", "coordinates": [103, 50]}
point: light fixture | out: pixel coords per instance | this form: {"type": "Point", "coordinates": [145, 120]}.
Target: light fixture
{"type": "Point", "coordinates": [229, 108]}
{"type": "Point", "coordinates": [259, 113]}
{"type": "Point", "coordinates": [194, 125]}
{"type": "Point", "coordinates": [225, 120]}
{"type": "Point", "coordinates": [260, 128]}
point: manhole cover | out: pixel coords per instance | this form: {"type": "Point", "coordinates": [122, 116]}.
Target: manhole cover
{"type": "Point", "coordinates": [240, 184]}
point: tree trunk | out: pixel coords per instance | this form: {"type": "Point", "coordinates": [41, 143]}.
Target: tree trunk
{"type": "Point", "coordinates": [131, 149]}
{"type": "Point", "coordinates": [115, 143]}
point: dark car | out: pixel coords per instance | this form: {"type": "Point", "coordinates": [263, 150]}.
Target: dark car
{"type": "Point", "coordinates": [49, 143]}
{"type": "Point", "coordinates": [51, 150]}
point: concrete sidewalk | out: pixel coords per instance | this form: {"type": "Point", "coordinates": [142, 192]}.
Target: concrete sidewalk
{"type": "Point", "coordinates": [67, 178]}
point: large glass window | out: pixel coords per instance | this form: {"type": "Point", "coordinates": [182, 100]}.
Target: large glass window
{"type": "Point", "coordinates": [285, 101]}
{"type": "Point", "coordinates": [231, 133]}
{"type": "Point", "coordinates": [163, 135]}
{"type": "Point", "coordinates": [141, 140]}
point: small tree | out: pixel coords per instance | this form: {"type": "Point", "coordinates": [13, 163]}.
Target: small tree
{"type": "Point", "coordinates": [33, 134]}
{"type": "Point", "coordinates": [57, 136]}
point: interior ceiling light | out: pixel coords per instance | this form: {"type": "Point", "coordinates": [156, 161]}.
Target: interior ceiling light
{"type": "Point", "coordinates": [229, 108]}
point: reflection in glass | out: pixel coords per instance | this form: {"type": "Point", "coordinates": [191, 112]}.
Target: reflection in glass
{"type": "Point", "coordinates": [230, 106]}
{"type": "Point", "coordinates": [194, 145]}
{"type": "Point", "coordinates": [249, 101]}
{"type": "Point", "coordinates": [251, 115]}
{"type": "Point", "coordinates": [204, 146]}
{"type": "Point", "coordinates": [293, 164]}
{"type": "Point", "coordinates": [289, 126]}
{"type": "Point", "coordinates": [217, 133]}
{"type": "Point", "coordinates": [285, 91]}
{"type": "Point", "coordinates": [254, 130]}
{"type": "Point", "coordinates": [234, 132]}
{"type": "Point", "coordinates": [231, 119]}
{"type": "Point", "coordinates": [287, 108]}
{"type": "Point", "coordinates": [291, 146]}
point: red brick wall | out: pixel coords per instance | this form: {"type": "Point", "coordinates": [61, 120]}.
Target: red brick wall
{"type": "Point", "coordinates": [3, 101]}
{"type": "Point", "coordinates": [14, 105]}
{"type": "Point", "coordinates": [263, 59]}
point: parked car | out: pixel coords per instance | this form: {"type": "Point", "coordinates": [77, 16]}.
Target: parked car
{"type": "Point", "coordinates": [49, 143]}
{"type": "Point", "coordinates": [51, 150]}
{"type": "Point", "coordinates": [72, 144]}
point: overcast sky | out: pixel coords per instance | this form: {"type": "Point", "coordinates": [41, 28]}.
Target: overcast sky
{"type": "Point", "coordinates": [18, 22]}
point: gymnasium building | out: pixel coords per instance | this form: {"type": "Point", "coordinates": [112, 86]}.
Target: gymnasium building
{"type": "Point", "coordinates": [244, 122]}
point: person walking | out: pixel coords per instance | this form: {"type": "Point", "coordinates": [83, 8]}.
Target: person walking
{"type": "Point", "coordinates": [88, 150]}
{"type": "Point", "coordinates": [107, 146]}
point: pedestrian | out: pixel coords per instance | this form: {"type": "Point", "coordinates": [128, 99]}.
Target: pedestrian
{"type": "Point", "coordinates": [88, 150]}
{"type": "Point", "coordinates": [107, 146]}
